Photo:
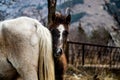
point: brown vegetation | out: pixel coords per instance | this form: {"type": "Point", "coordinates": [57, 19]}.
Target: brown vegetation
{"type": "Point", "coordinates": [92, 73]}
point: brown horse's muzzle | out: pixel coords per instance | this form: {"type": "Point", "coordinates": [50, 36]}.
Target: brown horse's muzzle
{"type": "Point", "coordinates": [57, 52]}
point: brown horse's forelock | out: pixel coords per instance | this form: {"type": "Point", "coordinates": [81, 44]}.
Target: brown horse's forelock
{"type": "Point", "coordinates": [58, 19]}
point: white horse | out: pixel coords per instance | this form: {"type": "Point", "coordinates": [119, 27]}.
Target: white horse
{"type": "Point", "coordinates": [25, 50]}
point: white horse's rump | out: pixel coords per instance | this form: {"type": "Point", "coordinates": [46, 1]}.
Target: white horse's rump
{"type": "Point", "coordinates": [25, 49]}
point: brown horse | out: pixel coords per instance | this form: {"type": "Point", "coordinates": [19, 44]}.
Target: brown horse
{"type": "Point", "coordinates": [59, 30]}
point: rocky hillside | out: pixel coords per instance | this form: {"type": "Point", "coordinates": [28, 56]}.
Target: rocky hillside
{"type": "Point", "coordinates": [92, 20]}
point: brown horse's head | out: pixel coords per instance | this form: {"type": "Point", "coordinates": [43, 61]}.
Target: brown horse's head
{"type": "Point", "coordinates": [59, 30]}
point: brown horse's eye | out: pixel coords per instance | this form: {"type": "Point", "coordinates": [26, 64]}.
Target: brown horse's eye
{"type": "Point", "coordinates": [65, 33]}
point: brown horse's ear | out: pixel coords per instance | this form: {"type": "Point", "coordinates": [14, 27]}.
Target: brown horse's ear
{"type": "Point", "coordinates": [68, 19]}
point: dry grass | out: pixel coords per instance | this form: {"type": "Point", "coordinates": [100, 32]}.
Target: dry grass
{"type": "Point", "coordinates": [90, 73]}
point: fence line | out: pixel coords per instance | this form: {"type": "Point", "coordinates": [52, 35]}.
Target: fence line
{"type": "Point", "coordinates": [93, 55]}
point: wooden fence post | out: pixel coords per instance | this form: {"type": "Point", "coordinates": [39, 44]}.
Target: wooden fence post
{"type": "Point", "coordinates": [111, 58]}
{"type": "Point", "coordinates": [83, 54]}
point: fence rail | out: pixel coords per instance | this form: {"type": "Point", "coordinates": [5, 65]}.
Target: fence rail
{"type": "Point", "coordinates": [93, 55]}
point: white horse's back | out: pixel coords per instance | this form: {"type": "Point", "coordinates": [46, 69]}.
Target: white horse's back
{"type": "Point", "coordinates": [27, 47]}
